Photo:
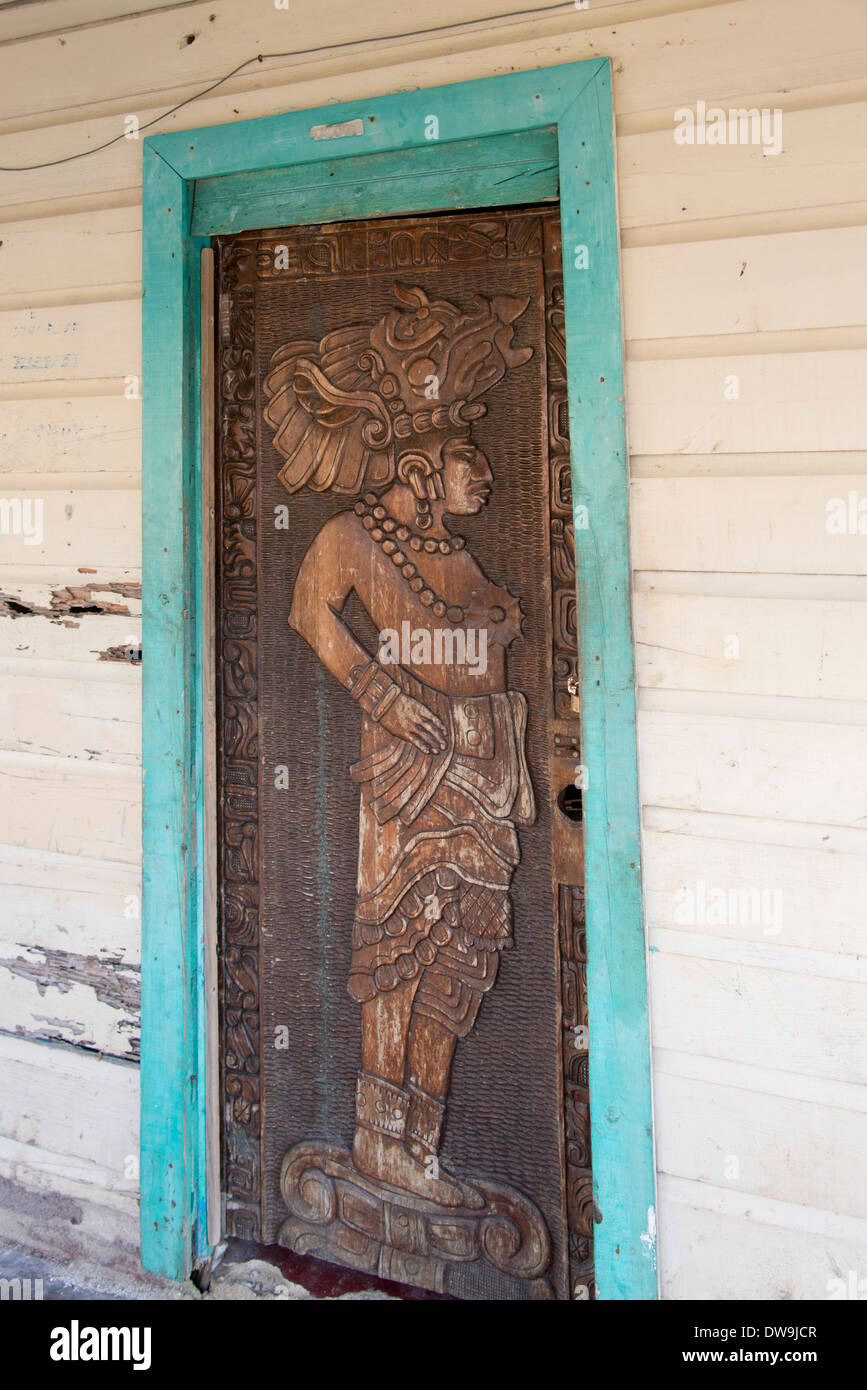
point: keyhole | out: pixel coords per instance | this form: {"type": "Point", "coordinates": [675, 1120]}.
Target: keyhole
{"type": "Point", "coordinates": [571, 802]}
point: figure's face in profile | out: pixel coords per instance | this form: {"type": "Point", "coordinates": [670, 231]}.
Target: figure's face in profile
{"type": "Point", "coordinates": [466, 476]}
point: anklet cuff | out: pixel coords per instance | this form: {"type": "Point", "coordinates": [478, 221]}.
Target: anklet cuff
{"type": "Point", "coordinates": [379, 1105]}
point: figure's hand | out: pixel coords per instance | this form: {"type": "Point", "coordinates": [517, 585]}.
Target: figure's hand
{"type": "Point", "coordinates": [412, 721]}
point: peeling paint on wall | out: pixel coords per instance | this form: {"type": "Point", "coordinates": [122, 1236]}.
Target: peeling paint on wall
{"type": "Point", "coordinates": [648, 1237]}
{"type": "Point", "coordinates": [130, 653]}
{"type": "Point", "coordinates": [113, 983]}
{"type": "Point", "coordinates": [74, 600]}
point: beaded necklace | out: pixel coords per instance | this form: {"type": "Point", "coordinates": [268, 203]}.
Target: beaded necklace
{"type": "Point", "coordinates": [389, 534]}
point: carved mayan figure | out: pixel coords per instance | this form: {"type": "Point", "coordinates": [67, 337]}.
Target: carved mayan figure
{"type": "Point", "coordinates": [384, 414]}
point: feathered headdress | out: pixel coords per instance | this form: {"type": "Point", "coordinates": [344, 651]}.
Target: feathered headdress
{"type": "Point", "coordinates": [340, 408]}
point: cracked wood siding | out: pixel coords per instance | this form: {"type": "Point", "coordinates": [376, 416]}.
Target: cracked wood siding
{"type": "Point", "coordinates": [728, 538]}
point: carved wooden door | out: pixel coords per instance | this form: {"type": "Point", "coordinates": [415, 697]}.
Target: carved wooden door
{"type": "Point", "coordinates": [404, 1065]}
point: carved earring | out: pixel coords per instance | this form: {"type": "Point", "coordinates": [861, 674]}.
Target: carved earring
{"type": "Point", "coordinates": [414, 469]}
{"type": "Point", "coordinates": [434, 486]}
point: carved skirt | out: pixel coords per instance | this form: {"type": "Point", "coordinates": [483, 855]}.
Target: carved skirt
{"type": "Point", "coordinates": [437, 850]}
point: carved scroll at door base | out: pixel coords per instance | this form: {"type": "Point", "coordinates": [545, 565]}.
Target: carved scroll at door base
{"type": "Point", "coordinates": [338, 1214]}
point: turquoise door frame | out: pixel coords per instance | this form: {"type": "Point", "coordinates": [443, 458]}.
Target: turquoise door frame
{"type": "Point", "coordinates": [520, 138]}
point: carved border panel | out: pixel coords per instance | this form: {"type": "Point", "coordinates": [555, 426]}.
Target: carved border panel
{"type": "Point", "coordinates": [564, 613]}
{"type": "Point", "coordinates": [237, 753]}
{"type": "Point", "coordinates": [570, 898]}
{"type": "Point", "coordinates": [580, 1208]}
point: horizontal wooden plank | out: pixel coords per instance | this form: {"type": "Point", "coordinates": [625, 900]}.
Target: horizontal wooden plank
{"type": "Point", "coordinates": [769, 1210]}
{"type": "Point", "coordinates": [109, 175]}
{"type": "Point", "coordinates": [794, 402]}
{"type": "Point", "coordinates": [822, 164]}
{"type": "Point", "coordinates": [779, 769]}
{"type": "Point", "coordinates": [745, 284]}
{"type": "Point", "coordinates": [78, 252]}
{"type": "Point", "coordinates": [54, 1178]}
{"type": "Point", "coordinates": [836, 588]}
{"type": "Point", "coordinates": [89, 528]}
{"type": "Point", "coordinates": [98, 435]}
{"type": "Point", "coordinates": [92, 643]}
{"type": "Point", "coordinates": [842, 1095]}
{"type": "Point", "coordinates": [753, 1256]}
{"type": "Point", "coordinates": [774, 708]}
{"type": "Point", "coordinates": [73, 1105]}
{"type": "Point", "coordinates": [70, 806]}
{"type": "Point", "coordinates": [704, 904]}
{"type": "Point", "coordinates": [792, 1022]}
{"type": "Point", "coordinates": [62, 903]}
{"type": "Point", "coordinates": [793, 1151]}
{"type": "Point", "coordinates": [759, 830]}
{"type": "Point", "coordinates": [754, 525]}
{"type": "Point", "coordinates": [55, 16]}
{"type": "Point", "coordinates": [722, 55]}
{"type": "Point", "coordinates": [750, 465]}
{"type": "Point", "coordinates": [97, 720]}
{"type": "Point", "coordinates": [70, 343]}
{"type": "Point", "coordinates": [143, 55]}
{"type": "Point", "coordinates": [761, 646]}
{"type": "Point", "coordinates": [79, 1224]}
{"type": "Point", "coordinates": [808, 898]}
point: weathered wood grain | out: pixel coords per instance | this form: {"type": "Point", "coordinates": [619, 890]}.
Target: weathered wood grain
{"type": "Point", "coordinates": [759, 1017]}
{"type": "Point", "coordinates": [94, 720]}
{"type": "Point", "coordinates": [70, 806]}
{"type": "Point", "coordinates": [747, 525]}
{"type": "Point", "coordinates": [781, 769]}
{"type": "Point", "coordinates": [757, 645]}
{"type": "Point", "coordinates": [818, 899]}
{"type": "Point", "coordinates": [765, 1249]}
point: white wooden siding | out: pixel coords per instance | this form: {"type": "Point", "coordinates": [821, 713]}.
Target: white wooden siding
{"type": "Point", "coordinates": [737, 264]}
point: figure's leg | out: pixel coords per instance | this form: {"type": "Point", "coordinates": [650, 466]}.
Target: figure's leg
{"type": "Point", "coordinates": [430, 1050]}
{"type": "Point", "coordinates": [384, 1027]}
{"type": "Point", "coordinates": [446, 1006]}
{"type": "Point", "coordinates": [428, 1068]}
{"type": "Point", "coordinates": [382, 1103]}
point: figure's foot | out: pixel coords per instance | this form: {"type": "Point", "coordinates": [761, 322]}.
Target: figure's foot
{"type": "Point", "coordinates": [470, 1196]}
{"type": "Point", "coordinates": [382, 1156]}
{"type": "Point", "coordinates": [425, 1118]}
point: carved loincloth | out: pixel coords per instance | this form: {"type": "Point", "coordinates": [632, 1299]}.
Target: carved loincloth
{"type": "Point", "coordinates": [437, 850]}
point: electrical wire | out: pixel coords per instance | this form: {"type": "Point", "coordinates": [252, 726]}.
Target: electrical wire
{"type": "Point", "coordinates": [292, 53]}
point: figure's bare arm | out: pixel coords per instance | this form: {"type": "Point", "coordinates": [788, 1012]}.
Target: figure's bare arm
{"type": "Point", "coordinates": [325, 580]}
{"type": "Point", "coordinates": [323, 585]}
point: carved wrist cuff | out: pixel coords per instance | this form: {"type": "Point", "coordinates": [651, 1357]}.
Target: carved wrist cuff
{"type": "Point", "coordinates": [373, 689]}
